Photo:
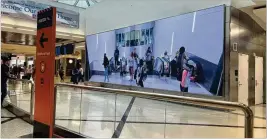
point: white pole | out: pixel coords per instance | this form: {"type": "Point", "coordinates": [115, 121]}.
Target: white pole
{"type": "Point", "coordinates": [105, 47]}
{"type": "Point", "coordinates": [96, 41]}
{"type": "Point", "coordinates": [194, 20]}
{"type": "Point", "coordinates": [172, 42]}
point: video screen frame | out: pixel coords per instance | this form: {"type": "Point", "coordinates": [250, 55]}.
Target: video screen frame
{"type": "Point", "coordinates": [221, 63]}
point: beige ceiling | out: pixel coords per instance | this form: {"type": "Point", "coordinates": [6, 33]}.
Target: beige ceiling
{"type": "Point", "coordinates": [258, 15]}
{"type": "Point", "coordinates": [28, 50]}
{"type": "Point", "coordinates": [261, 13]}
{"type": "Point", "coordinates": [18, 49]}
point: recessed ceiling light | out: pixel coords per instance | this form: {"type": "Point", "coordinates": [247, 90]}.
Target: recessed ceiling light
{"type": "Point", "coordinates": [6, 27]}
{"type": "Point", "coordinates": [60, 34]}
{"type": "Point", "coordinates": [70, 61]}
{"type": "Point", "coordinates": [79, 46]}
{"type": "Point", "coordinates": [25, 29]}
{"type": "Point", "coordinates": [78, 37]}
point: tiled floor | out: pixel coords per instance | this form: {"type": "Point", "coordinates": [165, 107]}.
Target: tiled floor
{"type": "Point", "coordinates": [13, 127]}
{"type": "Point", "coordinates": [6, 114]}
{"type": "Point", "coordinates": [103, 115]}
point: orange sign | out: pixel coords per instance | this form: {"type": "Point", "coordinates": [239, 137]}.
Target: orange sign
{"type": "Point", "coordinates": [45, 66]}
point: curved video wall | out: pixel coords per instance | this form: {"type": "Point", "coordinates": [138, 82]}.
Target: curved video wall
{"type": "Point", "coordinates": [180, 53]}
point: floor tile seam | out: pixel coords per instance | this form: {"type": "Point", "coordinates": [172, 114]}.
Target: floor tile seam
{"type": "Point", "coordinates": [8, 120]}
{"type": "Point", "coordinates": [121, 124]}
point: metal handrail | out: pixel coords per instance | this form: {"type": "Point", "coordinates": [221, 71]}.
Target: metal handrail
{"type": "Point", "coordinates": [22, 80]}
{"type": "Point", "coordinates": [249, 118]}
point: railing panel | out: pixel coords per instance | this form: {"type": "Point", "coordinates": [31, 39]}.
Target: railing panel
{"type": "Point", "coordinates": [20, 93]}
{"type": "Point", "coordinates": [106, 112]}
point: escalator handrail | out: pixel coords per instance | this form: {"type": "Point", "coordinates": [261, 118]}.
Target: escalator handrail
{"type": "Point", "coordinates": [249, 118]}
{"type": "Point", "coordinates": [160, 60]}
{"type": "Point", "coordinates": [111, 59]}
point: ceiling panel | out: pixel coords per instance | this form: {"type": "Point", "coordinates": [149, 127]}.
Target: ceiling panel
{"type": "Point", "coordinates": [261, 13]}
{"type": "Point", "coordinates": [22, 39]}
{"type": "Point", "coordinates": [18, 49]}
{"type": "Point", "coordinates": [79, 3]}
{"type": "Point", "coordinates": [28, 50]}
{"type": "Point", "coordinates": [82, 4]}
{"type": "Point", "coordinates": [69, 2]}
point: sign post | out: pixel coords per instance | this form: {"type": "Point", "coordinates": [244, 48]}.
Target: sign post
{"type": "Point", "coordinates": [44, 80]}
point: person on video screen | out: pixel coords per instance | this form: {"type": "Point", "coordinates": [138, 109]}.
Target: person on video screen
{"type": "Point", "coordinates": [181, 60]}
{"type": "Point", "coordinates": [187, 72]}
{"type": "Point", "coordinates": [106, 64]}
{"type": "Point", "coordinates": [116, 56]}
{"type": "Point", "coordinates": [131, 67]}
{"type": "Point", "coordinates": [166, 56]}
{"type": "Point", "coordinates": [135, 56]}
{"type": "Point", "coordinates": [148, 54]}
{"type": "Point", "coordinates": [149, 59]}
{"type": "Point", "coordinates": [141, 73]}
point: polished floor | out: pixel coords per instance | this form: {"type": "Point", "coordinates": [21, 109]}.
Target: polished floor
{"type": "Point", "coordinates": [165, 83]}
{"type": "Point", "coordinates": [12, 126]}
{"type": "Point", "coordinates": [105, 115]}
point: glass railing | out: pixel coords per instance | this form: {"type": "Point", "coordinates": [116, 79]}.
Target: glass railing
{"type": "Point", "coordinates": [104, 113]}
{"type": "Point", "coordinates": [20, 94]}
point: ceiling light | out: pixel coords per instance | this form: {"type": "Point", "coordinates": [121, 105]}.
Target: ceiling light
{"type": "Point", "coordinates": [24, 29]}
{"type": "Point", "coordinates": [78, 37]}
{"type": "Point", "coordinates": [70, 61]}
{"type": "Point", "coordinates": [6, 27]}
{"type": "Point", "coordinates": [79, 46]}
{"type": "Point", "coordinates": [60, 34]}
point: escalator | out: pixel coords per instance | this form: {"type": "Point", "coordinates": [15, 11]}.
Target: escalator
{"type": "Point", "coordinates": [197, 73]}
{"type": "Point", "coordinates": [112, 66]}
{"type": "Point", "coordinates": [162, 66]}
{"type": "Point", "coordinates": [121, 66]}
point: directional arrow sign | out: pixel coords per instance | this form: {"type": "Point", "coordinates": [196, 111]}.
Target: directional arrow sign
{"type": "Point", "coordinates": [42, 40]}
{"type": "Point", "coordinates": [44, 112]}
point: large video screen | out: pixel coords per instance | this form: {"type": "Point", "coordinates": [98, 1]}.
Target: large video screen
{"type": "Point", "coordinates": [182, 53]}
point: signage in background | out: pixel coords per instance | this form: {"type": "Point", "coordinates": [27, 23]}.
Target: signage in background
{"type": "Point", "coordinates": [67, 49]}
{"type": "Point", "coordinates": [28, 10]}
{"type": "Point", "coordinates": [45, 69]}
